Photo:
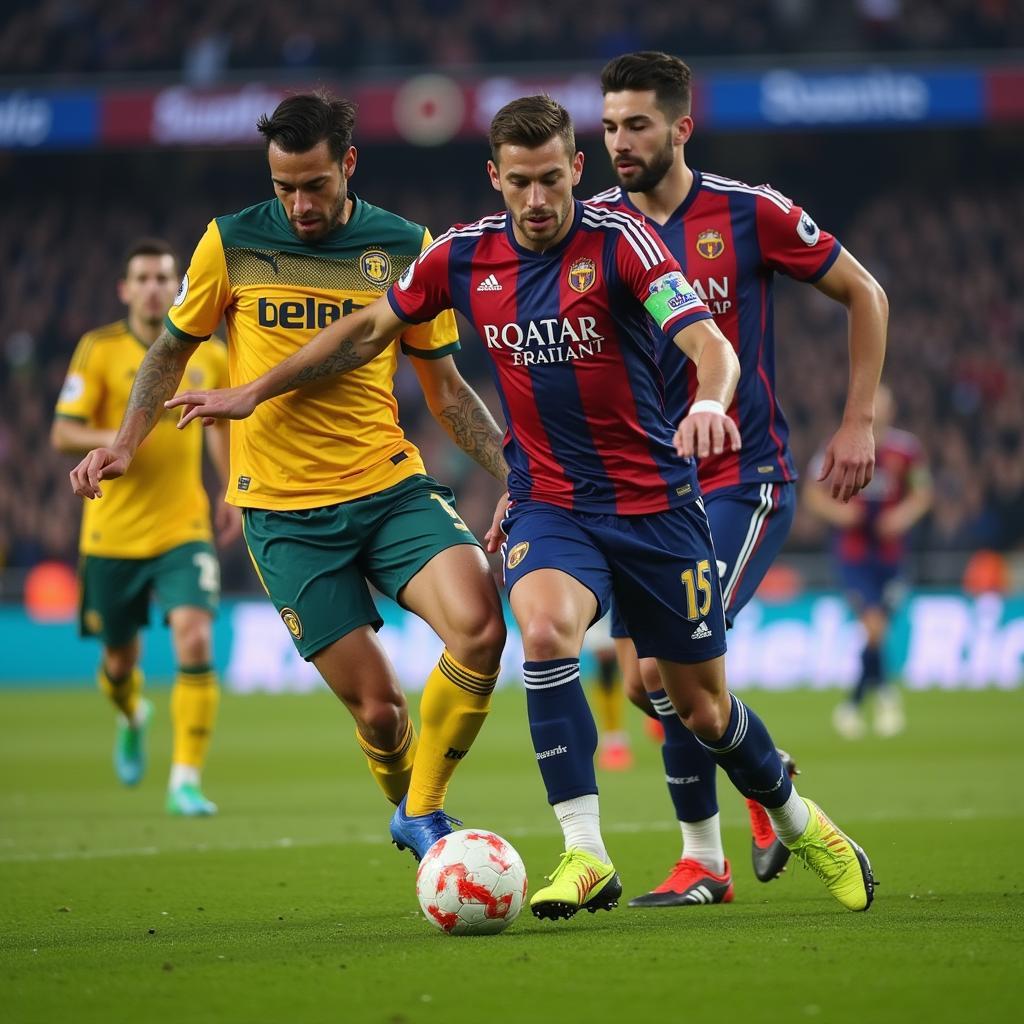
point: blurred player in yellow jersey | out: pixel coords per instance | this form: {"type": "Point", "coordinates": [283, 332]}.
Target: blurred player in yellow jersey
{"type": "Point", "coordinates": [335, 496]}
{"type": "Point", "coordinates": [150, 535]}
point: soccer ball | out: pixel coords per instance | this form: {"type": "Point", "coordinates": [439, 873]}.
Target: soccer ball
{"type": "Point", "coordinates": [471, 883]}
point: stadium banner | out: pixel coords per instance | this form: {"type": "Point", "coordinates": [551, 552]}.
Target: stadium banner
{"type": "Point", "coordinates": [940, 640]}
{"type": "Point", "coordinates": [432, 109]}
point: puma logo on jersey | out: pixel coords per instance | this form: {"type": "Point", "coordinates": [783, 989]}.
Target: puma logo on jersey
{"type": "Point", "coordinates": [268, 258]}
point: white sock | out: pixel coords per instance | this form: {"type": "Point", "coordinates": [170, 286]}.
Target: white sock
{"type": "Point", "coordinates": [790, 820]}
{"type": "Point", "coordinates": [580, 819]}
{"type": "Point", "coordinates": [183, 775]}
{"type": "Point", "coordinates": [702, 842]}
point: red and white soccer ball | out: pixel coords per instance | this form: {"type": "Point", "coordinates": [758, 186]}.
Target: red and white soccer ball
{"type": "Point", "coordinates": [471, 883]}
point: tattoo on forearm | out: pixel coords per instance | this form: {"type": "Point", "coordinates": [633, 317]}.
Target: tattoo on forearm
{"type": "Point", "coordinates": [472, 428]}
{"type": "Point", "coordinates": [341, 360]}
{"type": "Point", "coordinates": [157, 379]}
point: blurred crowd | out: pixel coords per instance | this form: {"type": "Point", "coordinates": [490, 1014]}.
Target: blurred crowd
{"type": "Point", "coordinates": [953, 270]}
{"type": "Point", "coordinates": [205, 39]}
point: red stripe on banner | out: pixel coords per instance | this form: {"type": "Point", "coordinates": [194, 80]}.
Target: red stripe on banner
{"type": "Point", "coordinates": [1004, 95]}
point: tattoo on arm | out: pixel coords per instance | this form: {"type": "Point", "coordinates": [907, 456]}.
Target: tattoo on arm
{"type": "Point", "coordinates": [471, 426]}
{"type": "Point", "coordinates": [156, 381]}
{"type": "Point", "coordinates": [341, 360]}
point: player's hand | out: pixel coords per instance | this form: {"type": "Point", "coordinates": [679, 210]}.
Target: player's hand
{"type": "Point", "coordinates": [228, 523]}
{"type": "Point", "coordinates": [221, 404]}
{"type": "Point", "coordinates": [849, 461]}
{"type": "Point", "coordinates": [495, 536]}
{"type": "Point", "coordinates": [706, 433]}
{"type": "Point", "coordinates": [99, 464]}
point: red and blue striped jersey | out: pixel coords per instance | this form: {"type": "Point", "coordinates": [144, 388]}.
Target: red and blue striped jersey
{"type": "Point", "coordinates": [573, 350]}
{"type": "Point", "coordinates": [730, 239]}
{"type": "Point", "coordinates": [900, 466]}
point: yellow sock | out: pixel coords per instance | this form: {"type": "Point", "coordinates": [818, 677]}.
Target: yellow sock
{"type": "Point", "coordinates": [454, 705]}
{"type": "Point", "coordinates": [194, 701]}
{"type": "Point", "coordinates": [609, 703]}
{"type": "Point", "coordinates": [391, 769]}
{"type": "Point", "coordinates": [124, 693]}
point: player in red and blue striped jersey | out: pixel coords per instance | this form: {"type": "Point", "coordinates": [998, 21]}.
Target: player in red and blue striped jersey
{"type": "Point", "coordinates": [870, 552]}
{"type": "Point", "coordinates": [730, 240]}
{"type": "Point", "coordinates": [602, 485]}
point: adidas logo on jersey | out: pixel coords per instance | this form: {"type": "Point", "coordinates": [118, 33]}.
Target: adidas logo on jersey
{"type": "Point", "coordinates": [701, 632]}
{"type": "Point", "coordinates": [489, 284]}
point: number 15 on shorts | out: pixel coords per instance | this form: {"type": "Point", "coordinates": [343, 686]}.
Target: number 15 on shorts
{"type": "Point", "coordinates": [697, 586]}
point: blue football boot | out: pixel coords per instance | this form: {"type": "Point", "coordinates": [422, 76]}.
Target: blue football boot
{"type": "Point", "coordinates": [419, 832]}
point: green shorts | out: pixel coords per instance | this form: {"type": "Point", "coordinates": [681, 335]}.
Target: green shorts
{"type": "Point", "coordinates": [115, 593]}
{"type": "Point", "coordinates": [315, 563]}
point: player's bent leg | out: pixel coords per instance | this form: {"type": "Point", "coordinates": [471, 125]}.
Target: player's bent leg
{"type": "Point", "coordinates": [553, 611]}
{"type": "Point", "coordinates": [746, 751]}
{"type": "Point", "coordinates": [750, 523]}
{"type": "Point", "coordinates": [121, 680]}
{"type": "Point", "coordinates": [359, 674]}
{"type": "Point", "coordinates": [701, 875]}
{"type": "Point", "coordinates": [457, 695]}
{"type": "Point", "coordinates": [195, 698]}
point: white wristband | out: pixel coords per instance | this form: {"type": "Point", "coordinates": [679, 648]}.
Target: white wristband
{"type": "Point", "coordinates": [706, 405]}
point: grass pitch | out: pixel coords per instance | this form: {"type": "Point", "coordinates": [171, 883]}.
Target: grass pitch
{"type": "Point", "coordinates": [291, 905]}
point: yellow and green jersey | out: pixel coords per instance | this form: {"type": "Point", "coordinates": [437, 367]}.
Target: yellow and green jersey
{"type": "Point", "coordinates": [161, 502]}
{"type": "Point", "coordinates": [333, 441]}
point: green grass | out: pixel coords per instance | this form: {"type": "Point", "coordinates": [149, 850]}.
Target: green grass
{"type": "Point", "coordinates": [291, 905]}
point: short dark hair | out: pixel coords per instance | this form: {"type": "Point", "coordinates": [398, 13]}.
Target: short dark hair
{"type": "Point", "coordinates": [148, 247]}
{"type": "Point", "coordinates": [531, 121]}
{"type": "Point", "coordinates": [301, 122]}
{"type": "Point", "coordinates": [651, 70]}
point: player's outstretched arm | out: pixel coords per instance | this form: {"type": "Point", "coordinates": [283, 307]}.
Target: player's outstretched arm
{"type": "Point", "coordinates": [465, 418]}
{"type": "Point", "coordinates": [850, 455]}
{"type": "Point", "coordinates": [706, 427]}
{"type": "Point", "coordinates": [341, 347]}
{"type": "Point", "coordinates": [157, 379]}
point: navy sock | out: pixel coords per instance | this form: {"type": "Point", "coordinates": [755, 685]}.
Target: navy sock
{"type": "Point", "coordinates": [870, 673]}
{"type": "Point", "coordinates": [750, 759]}
{"type": "Point", "coordinates": [689, 768]}
{"type": "Point", "coordinates": [562, 727]}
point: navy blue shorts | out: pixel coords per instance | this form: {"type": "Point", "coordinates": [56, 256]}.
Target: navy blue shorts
{"type": "Point", "coordinates": [750, 523]}
{"type": "Point", "coordinates": [869, 584]}
{"type": "Point", "coordinates": [661, 569]}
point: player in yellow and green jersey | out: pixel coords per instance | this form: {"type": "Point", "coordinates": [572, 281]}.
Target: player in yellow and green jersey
{"type": "Point", "coordinates": [335, 497]}
{"type": "Point", "coordinates": [151, 533]}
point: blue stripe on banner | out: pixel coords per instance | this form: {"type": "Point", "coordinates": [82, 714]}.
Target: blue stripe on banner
{"type": "Point", "coordinates": [54, 120]}
{"type": "Point", "coordinates": [863, 96]}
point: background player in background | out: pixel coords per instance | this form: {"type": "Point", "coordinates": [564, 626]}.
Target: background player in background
{"type": "Point", "coordinates": [869, 547]}
{"type": "Point", "coordinates": [151, 532]}
{"type": "Point", "coordinates": [608, 698]}
{"type": "Point", "coordinates": [730, 239]}
{"type": "Point", "coordinates": [334, 494]}
{"type": "Point", "coordinates": [603, 486]}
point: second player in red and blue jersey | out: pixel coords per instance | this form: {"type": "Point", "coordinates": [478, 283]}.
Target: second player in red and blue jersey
{"type": "Point", "coordinates": [730, 240]}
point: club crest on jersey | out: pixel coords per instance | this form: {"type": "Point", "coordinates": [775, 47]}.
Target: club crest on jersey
{"type": "Point", "coordinates": [710, 244]}
{"type": "Point", "coordinates": [517, 554]}
{"type": "Point", "coordinates": [292, 621]}
{"type": "Point", "coordinates": [375, 266]}
{"type": "Point", "coordinates": [582, 274]}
